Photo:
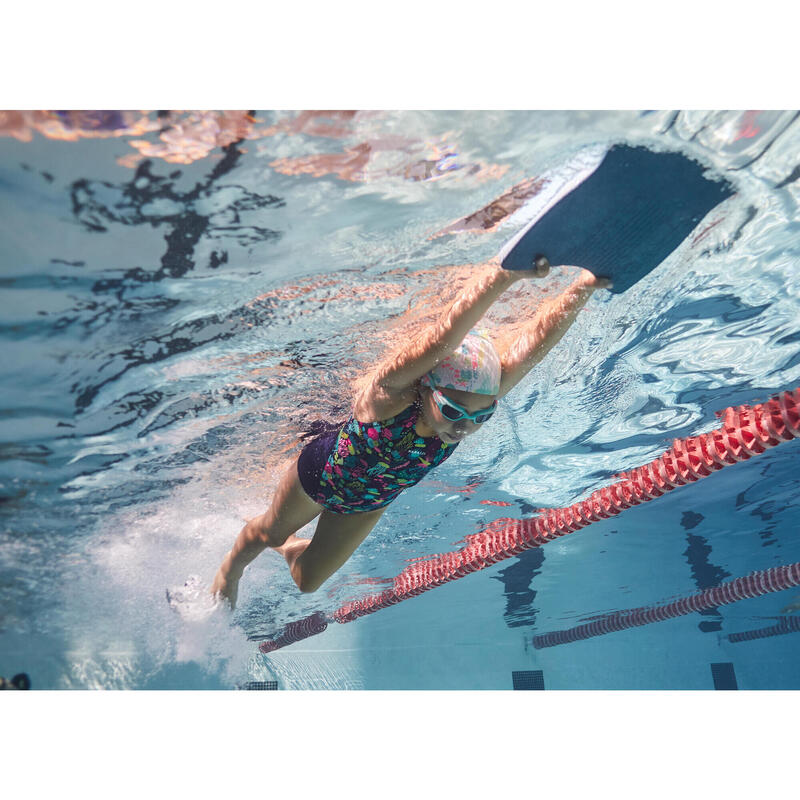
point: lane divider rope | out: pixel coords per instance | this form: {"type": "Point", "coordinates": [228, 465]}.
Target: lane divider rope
{"type": "Point", "coordinates": [756, 584]}
{"type": "Point", "coordinates": [784, 626]}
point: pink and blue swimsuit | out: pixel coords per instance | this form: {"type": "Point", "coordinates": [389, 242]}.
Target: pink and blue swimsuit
{"type": "Point", "coordinates": [367, 464]}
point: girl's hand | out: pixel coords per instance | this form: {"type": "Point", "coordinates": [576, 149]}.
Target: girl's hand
{"type": "Point", "coordinates": [585, 279]}
{"type": "Point", "coordinates": [542, 268]}
{"type": "Point", "coordinates": [591, 281]}
{"type": "Point", "coordinates": [539, 270]}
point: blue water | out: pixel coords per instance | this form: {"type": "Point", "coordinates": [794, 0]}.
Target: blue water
{"type": "Point", "coordinates": [185, 295]}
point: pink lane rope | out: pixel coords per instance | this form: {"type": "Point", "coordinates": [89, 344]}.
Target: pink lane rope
{"type": "Point", "coordinates": [756, 584]}
{"type": "Point", "coordinates": [746, 431]}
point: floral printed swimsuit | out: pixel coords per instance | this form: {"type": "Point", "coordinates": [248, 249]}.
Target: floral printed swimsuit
{"type": "Point", "coordinates": [367, 464]}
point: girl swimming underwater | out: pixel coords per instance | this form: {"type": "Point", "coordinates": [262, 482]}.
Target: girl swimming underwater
{"type": "Point", "coordinates": [411, 416]}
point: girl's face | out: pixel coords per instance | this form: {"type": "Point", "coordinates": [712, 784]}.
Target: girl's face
{"type": "Point", "coordinates": [453, 431]}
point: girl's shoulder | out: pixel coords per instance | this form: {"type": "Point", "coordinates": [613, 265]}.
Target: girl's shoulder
{"type": "Point", "coordinates": [376, 403]}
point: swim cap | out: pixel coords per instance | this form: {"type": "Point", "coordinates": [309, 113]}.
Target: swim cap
{"type": "Point", "coordinates": [473, 367]}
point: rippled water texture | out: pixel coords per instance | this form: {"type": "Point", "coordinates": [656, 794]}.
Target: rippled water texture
{"type": "Point", "coordinates": [185, 296]}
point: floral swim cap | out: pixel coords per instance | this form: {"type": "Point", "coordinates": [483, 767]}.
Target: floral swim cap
{"type": "Point", "coordinates": [473, 367]}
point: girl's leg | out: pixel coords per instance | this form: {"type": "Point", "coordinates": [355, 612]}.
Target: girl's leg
{"type": "Point", "coordinates": [290, 510]}
{"type": "Point", "coordinates": [313, 561]}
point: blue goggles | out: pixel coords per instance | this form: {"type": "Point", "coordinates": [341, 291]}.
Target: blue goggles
{"type": "Point", "coordinates": [453, 411]}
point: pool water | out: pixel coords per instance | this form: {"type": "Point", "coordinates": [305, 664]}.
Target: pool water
{"type": "Point", "coordinates": [186, 296]}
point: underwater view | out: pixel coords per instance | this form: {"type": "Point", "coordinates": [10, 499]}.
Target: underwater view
{"type": "Point", "coordinates": [190, 298]}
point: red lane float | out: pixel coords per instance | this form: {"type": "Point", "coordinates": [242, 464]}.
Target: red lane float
{"type": "Point", "coordinates": [786, 625]}
{"type": "Point", "coordinates": [756, 584]}
{"type": "Point", "coordinates": [745, 431]}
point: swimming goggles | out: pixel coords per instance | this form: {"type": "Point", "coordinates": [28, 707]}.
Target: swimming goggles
{"type": "Point", "coordinates": [454, 412]}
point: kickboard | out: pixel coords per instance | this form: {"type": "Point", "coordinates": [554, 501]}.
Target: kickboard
{"type": "Point", "coordinates": [623, 219]}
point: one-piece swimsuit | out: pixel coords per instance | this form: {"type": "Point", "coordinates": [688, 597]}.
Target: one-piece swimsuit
{"type": "Point", "coordinates": [365, 465]}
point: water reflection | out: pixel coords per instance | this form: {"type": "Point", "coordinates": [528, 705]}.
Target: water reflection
{"type": "Point", "coordinates": [489, 218]}
{"type": "Point", "coordinates": [73, 125]}
{"type": "Point", "coordinates": [194, 136]}
{"type": "Point", "coordinates": [387, 157]}
{"type": "Point", "coordinates": [704, 573]}
{"type": "Point", "coordinates": [183, 137]}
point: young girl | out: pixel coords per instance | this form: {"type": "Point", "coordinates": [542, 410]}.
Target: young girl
{"type": "Point", "coordinates": [411, 417]}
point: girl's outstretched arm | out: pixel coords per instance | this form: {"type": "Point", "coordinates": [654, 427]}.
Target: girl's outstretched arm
{"type": "Point", "coordinates": [399, 374]}
{"type": "Point", "coordinates": [551, 321]}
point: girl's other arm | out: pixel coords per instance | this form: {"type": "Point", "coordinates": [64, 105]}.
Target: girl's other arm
{"type": "Point", "coordinates": [551, 321]}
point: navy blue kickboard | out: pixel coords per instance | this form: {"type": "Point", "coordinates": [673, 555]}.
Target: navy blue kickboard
{"type": "Point", "coordinates": [624, 219]}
